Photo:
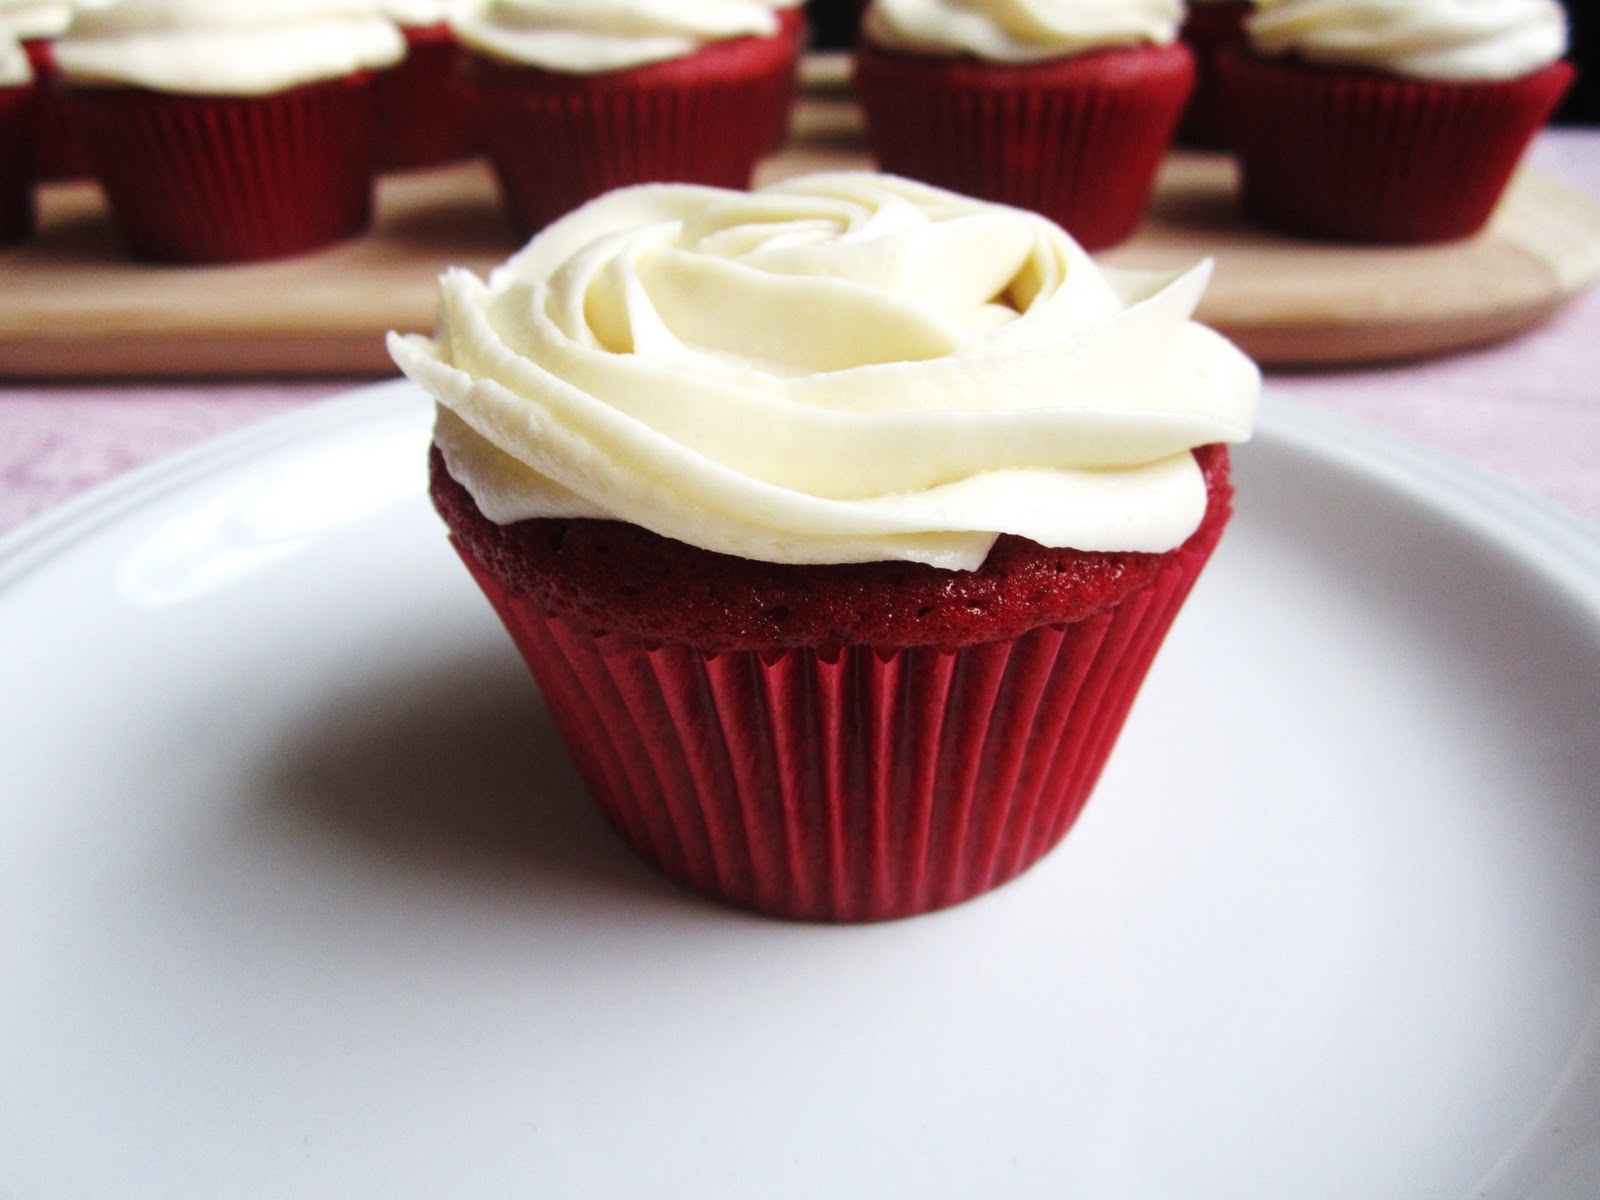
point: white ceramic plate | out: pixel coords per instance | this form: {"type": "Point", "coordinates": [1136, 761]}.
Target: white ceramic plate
{"type": "Point", "coordinates": [299, 895]}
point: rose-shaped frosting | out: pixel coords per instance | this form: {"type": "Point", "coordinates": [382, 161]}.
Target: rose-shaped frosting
{"type": "Point", "coordinates": [582, 37]}
{"type": "Point", "coordinates": [225, 47]}
{"type": "Point", "coordinates": [1019, 30]}
{"type": "Point", "coordinates": [1455, 40]}
{"type": "Point", "coordinates": [840, 368]}
{"type": "Point", "coordinates": [14, 68]}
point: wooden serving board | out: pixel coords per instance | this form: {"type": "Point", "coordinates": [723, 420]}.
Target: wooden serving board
{"type": "Point", "coordinates": [73, 305]}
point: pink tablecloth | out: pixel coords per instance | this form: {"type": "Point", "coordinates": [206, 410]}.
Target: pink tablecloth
{"type": "Point", "coordinates": [1528, 409]}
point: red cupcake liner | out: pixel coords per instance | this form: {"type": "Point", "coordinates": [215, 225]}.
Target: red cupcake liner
{"type": "Point", "coordinates": [427, 114]}
{"type": "Point", "coordinates": [1079, 140]}
{"type": "Point", "coordinates": [558, 140]}
{"type": "Point", "coordinates": [1354, 155]}
{"type": "Point", "coordinates": [57, 155]}
{"type": "Point", "coordinates": [17, 107]}
{"type": "Point", "coordinates": [1206, 29]}
{"type": "Point", "coordinates": [860, 784]}
{"type": "Point", "coordinates": [232, 178]}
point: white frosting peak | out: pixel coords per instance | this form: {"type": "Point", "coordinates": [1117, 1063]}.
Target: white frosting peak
{"type": "Point", "coordinates": [583, 37]}
{"type": "Point", "coordinates": [225, 47]}
{"type": "Point", "coordinates": [1460, 40]}
{"type": "Point", "coordinates": [1020, 30]}
{"type": "Point", "coordinates": [840, 368]}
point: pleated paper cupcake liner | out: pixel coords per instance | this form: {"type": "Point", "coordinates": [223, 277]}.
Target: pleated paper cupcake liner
{"type": "Point", "coordinates": [1079, 140]}
{"type": "Point", "coordinates": [1366, 157]}
{"type": "Point", "coordinates": [427, 115]}
{"type": "Point", "coordinates": [861, 784]}
{"type": "Point", "coordinates": [557, 140]}
{"type": "Point", "coordinates": [17, 106]}
{"type": "Point", "coordinates": [57, 155]}
{"type": "Point", "coordinates": [231, 179]}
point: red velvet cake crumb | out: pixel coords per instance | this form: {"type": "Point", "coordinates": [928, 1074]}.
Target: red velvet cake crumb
{"type": "Point", "coordinates": [612, 577]}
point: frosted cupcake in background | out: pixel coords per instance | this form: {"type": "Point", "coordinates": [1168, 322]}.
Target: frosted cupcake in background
{"type": "Point", "coordinates": [17, 99]}
{"type": "Point", "coordinates": [1062, 107]}
{"type": "Point", "coordinates": [36, 24]}
{"type": "Point", "coordinates": [1208, 26]}
{"type": "Point", "coordinates": [226, 130]}
{"type": "Point", "coordinates": [1389, 120]}
{"type": "Point", "coordinates": [581, 96]}
{"type": "Point", "coordinates": [426, 112]}
{"type": "Point", "coordinates": [839, 521]}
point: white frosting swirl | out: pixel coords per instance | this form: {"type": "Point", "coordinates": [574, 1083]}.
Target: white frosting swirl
{"type": "Point", "coordinates": [30, 19]}
{"type": "Point", "coordinates": [838, 368]}
{"type": "Point", "coordinates": [419, 13]}
{"type": "Point", "coordinates": [1455, 40]}
{"type": "Point", "coordinates": [14, 68]}
{"type": "Point", "coordinates": [583, 37]}
{"type": "Point", "coordinates": [1019, 30]}
{"type": "Point", "coordinates": [225, 47]}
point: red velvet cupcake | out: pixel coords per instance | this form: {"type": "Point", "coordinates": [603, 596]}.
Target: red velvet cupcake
{"type": "Point", "coordinates": [427, 115]}
{"type": "Point", "coordinates": [230, 136]}
{"type": "Point", "coordinates": [1403, 130]}
{"type": "Point", "coordinates": [1208, 27]}
{"type": "Point", "coordinates": [602, 98]}
{"type": "Point", "coordinates": [817, 651]}
{"type": "Point", "coordinates": [17, 103]}
{"type": "Point", "coordinates": [1073, 125]}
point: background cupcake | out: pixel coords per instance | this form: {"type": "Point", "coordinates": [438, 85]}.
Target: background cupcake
{"type": "Point", "coordinates": [36, 24]}
{"type": "Point", "coordinates": [1389, 120]}
{"type": "Point", "coordinates": [224, 130]}
{"type": "Point", "coordinates": [16, 148]}
{"type": "Point", "coordinates": [581, 96]}
{"type": "Point", "coordinates": [1208, 26]}
{"type": "Point", "coordinates": [427, 115]}
{"type": "Point", "coordinates": [1061, 107]}
{"type": "Point", "coordinates": [837, 591]}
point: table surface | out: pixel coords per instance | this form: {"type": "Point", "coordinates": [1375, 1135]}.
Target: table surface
{"type": "Point", "coordinates": [1527, 409]}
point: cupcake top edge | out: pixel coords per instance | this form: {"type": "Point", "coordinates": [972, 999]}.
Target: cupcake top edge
{"type": "Point", "coordinates": [1447, 40]}
{"type": "Point", "coordinates": [582, 37]}
{"type": "Point", "coordinates": [224, 47]}
{"type": "Point", "coordinates": [845, 367]}
{"type": "Point", "coordinates": [1019, 30]}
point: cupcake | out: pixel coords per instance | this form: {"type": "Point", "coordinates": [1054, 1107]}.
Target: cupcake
{"type": "Point", "coordinates": [36, 24]}
{"type": "Point", "coordinates": [1208, 26]}
{"type": "Point", "coordinates": [578, 97]}
{"type": "Point", "coordinates": [1061, 107]}
{"type": "Point", "coordinates": [16, 147]}
{"type": "Point", "coordinates": [839, 521]}
{"type": "Point", "coordinates": [228, 130]}
{"type": "Point", "coordinates": [1389, 121]}
{"type": "Point", "coordinates": [426, 112]}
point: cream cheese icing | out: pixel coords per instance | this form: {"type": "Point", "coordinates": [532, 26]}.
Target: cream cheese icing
{"type": "Point", "coordinates": [30, 19]}
{"type": "Point", "coordinates": [225, 47]}
{"type": "Point", "coordinates": [582, 37]}
{"type": "Point", "coordinates": [1019, 30]}
{"type": "Point", "coordinates": [417, 13]}
{"type": "Point", "coordinates": [844, 367]}
{"type": "Point", "coordinates": [14, 68]}
{"type": "Point", "coordinates": [1453, 40]}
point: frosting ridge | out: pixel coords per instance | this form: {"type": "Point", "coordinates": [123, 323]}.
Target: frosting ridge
{"type": "Point", "coordinates": [1459, 40]}
{"type": "Point", "coordinates": [839, 368]}
{"type": "Point", "coordinates": [1019, 30]}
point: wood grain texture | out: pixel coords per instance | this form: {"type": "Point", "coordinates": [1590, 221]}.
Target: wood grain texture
{"type": "Point", "coordinates": [73, 305]}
